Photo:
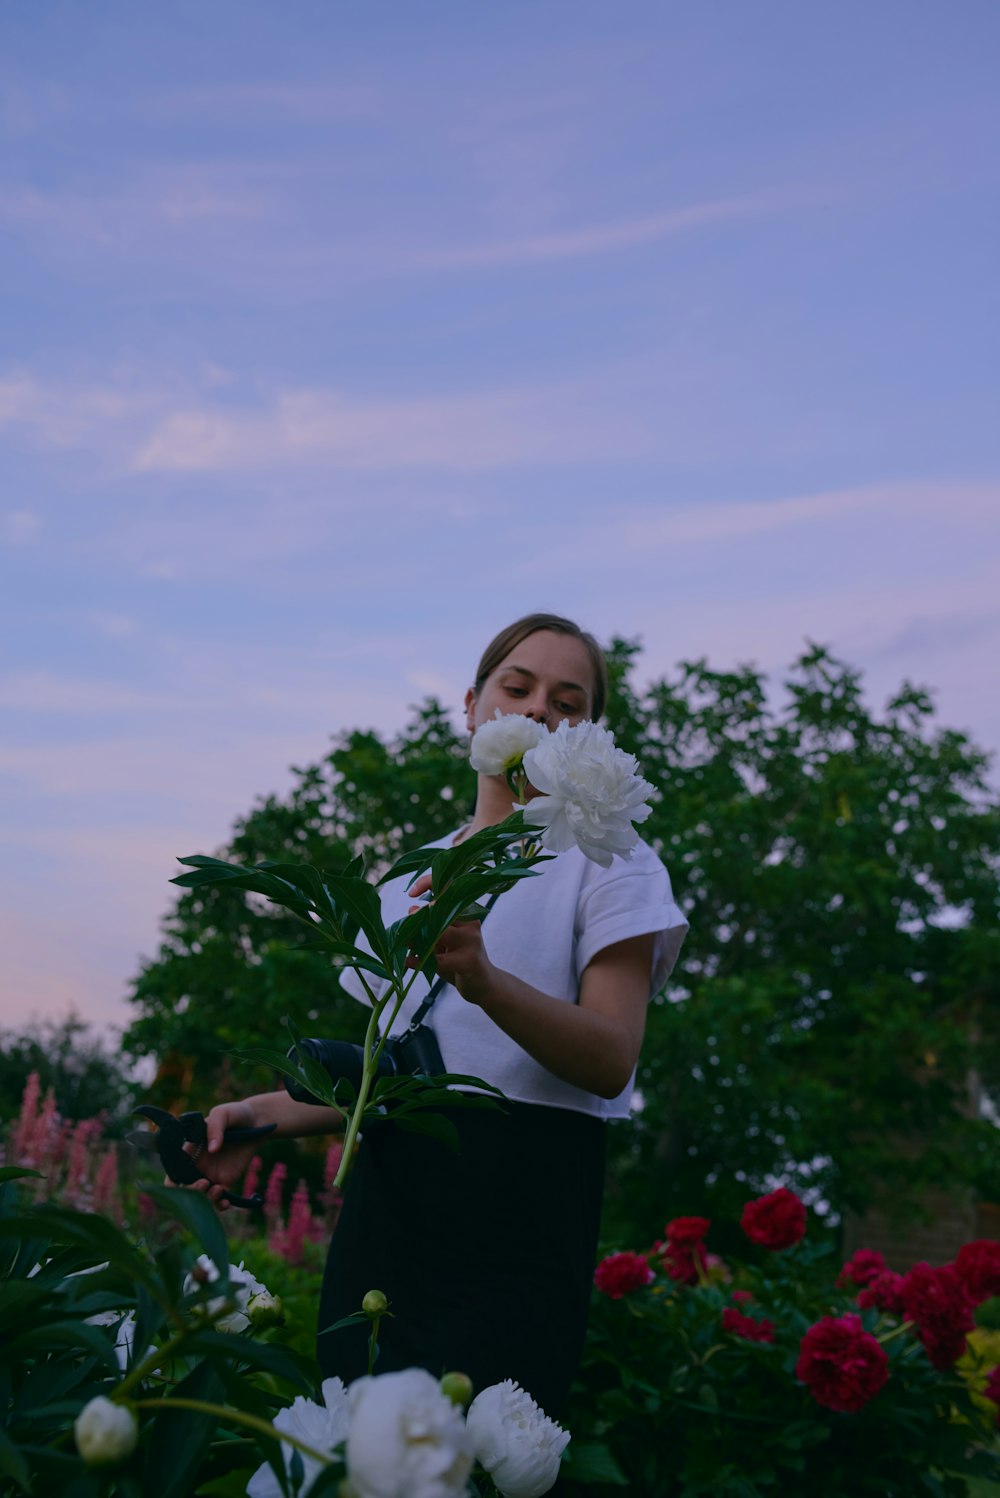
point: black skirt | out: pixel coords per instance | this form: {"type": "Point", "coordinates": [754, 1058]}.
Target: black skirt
{"type": "Point", "coordinates": [485, 1254]}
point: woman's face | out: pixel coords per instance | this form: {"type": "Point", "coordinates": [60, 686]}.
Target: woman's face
{"type": "Point", "coordinates": [547, 677]}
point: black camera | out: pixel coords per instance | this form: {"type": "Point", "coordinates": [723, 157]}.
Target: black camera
{"type": "Point", "coordinates": [415, 1053]}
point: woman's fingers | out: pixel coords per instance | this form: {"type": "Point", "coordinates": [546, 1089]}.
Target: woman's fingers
{"type": "Point", "coordinates": [420, 886]}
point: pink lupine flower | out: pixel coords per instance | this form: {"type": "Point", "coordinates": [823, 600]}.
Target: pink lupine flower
{"type": "Point", "coordinates": [252, 1178]}
{"type": "Point", "coordinates": [273, 1215]}
{"type": "Point", "coordinates": [106, 1199]}
{"type": "Point", "coordinates": [22, 1142]}
{"type": "Point", "coordinates": [46, 1132]}
{"type": "Point", "coordinates": [299, 1222]}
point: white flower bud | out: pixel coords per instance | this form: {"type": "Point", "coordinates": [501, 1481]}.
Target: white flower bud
{"type": "Point", "coordinates": [515, 1441]}
{"type": "Point", "coordinates": [500, 744]}
{"type": "Point", "coordinates": [264, 1309]}
{"type": "Point", "coordinates": [105, 1432]}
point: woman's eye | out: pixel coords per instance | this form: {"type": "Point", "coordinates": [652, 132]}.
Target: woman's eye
{"type": "Point", "coordinates": [569, 708]}
{"type": "Point", "coordinates": [516, 691]}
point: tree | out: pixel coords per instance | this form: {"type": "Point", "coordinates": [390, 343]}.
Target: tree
{"type": "Point", "coordinates": [230, 967]}
{"type": "Point", "coordinates": [840, 872]}
{"type": "Point", "coordinates": [86, 1077]}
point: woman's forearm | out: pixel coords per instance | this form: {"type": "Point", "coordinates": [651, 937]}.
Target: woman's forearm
{"type": "Point", "coordinates": [593, 1044]}
{"type": "Point", "coordinates": [293, 1120]}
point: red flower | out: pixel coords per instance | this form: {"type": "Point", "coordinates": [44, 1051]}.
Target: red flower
{"type": "Point", "coordinates": [841, 1364]}
{"type": "Point", "coordinates": [862, 1267]}
{"type": "Point", "coordinates": [992, 1389]}
{"type": "Point", "coordinates": [883, 1293]}
{"type": "Point", "coordinates": [686, 1230]}
{"type": "Point", "coordinates": [745, 1326]}
{"type": "Point", "coordinates": [684, 1262]}
{"type": "Point", "coordinates": [775, 1221]}
{"type": "Point", "coordinates": [618, 1274]}
{"type": "Point", "coordinates": [742, 1297]}
{"type": "Point", "coordinates": [977, 1265]}
{"type": "Point", "coordinates": [935, 1300]}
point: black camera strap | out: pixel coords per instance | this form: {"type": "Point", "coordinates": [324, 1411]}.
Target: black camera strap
{"type": "Point", "coordinates": [426, 1006]}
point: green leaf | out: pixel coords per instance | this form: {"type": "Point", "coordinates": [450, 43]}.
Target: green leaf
{"type": "Point", "coordinates": [268, 1357]}
{"type": "Point", "coordinates": [62, 1337]}
{"type": "Point", "coordinates": [428, 1123]}
{"type": "Point", "coordinates": [16, 1172]}
{"type": "Point", "coordinates": [14, 1464]}
{"type": "Point", "coordinates": [592, 1462]}
{"type": "Point", "coordinates": [355, 1319]}
{"type": "Point", "coordinates": [195, 1212]}
{"type": "Point", "coordinates": [179, 1439]}
{"type": "Point", "coordinates": [97, 1235]}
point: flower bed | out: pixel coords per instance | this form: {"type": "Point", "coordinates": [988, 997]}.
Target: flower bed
{"type": "Point", "coordinates": [780, 1375]}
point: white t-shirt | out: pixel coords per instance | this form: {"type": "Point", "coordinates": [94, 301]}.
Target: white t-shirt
{"type": "Point", "coordinates": [545, 931]}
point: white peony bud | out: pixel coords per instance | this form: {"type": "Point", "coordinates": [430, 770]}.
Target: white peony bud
{"type": "Point", "coordinates": [591, 793]}
{"type": "Point", "coordinates": [264, 1309]}
{"type": "Point", "coordinates": [515, 1441]}
{"type": "Point", "coordinates": [406, 1439]}
{"type": "Point", "coordinates": [499, 745]}
{"type": "Point", "coordinates": [375, 1303]}
{"type": "Point", "coordinates": [105, 1432]}
{"type": "Point", "coordinates": [242, 1283]}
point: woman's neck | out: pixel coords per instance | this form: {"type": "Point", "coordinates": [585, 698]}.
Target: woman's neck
{"type": "Point", "coordinates": [494, 803]}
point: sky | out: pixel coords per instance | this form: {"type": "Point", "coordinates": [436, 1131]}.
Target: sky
{"type": "Point", "coordinates": [333, 338]}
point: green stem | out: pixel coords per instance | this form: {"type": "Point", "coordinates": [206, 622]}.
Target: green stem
{"type": "Point", "coordinates": [153, 1360]}
{"type": "Point", "coordinates": [354, 1122]}
{"type": "Point", "coordinates": [904, 1326]}
{"type": "Point", "coordinates": [373, 1343]}
{"type": "Point", "coordinates": [239, 1417]}
{"type": "Point", "coordinates": [372, 1047]}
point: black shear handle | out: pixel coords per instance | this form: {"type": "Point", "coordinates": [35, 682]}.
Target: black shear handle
{"type": "Point", "coordinates": [243, 1136]}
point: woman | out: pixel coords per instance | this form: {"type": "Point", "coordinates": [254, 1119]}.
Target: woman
{"type": "Point", "coordinates": [487, 1254]}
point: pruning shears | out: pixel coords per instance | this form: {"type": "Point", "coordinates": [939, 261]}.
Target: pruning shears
{"type": "Point", "coordinates": [180, 1164]}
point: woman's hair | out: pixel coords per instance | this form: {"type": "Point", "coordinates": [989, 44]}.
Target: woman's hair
{"type": "Point", "coordinates": [508, 639]}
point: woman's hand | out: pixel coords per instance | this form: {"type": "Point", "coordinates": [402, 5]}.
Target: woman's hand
{"type": "Point", "coordinates": [225, 1165]}
{"type": "Point", "coordinates": [459, 952]}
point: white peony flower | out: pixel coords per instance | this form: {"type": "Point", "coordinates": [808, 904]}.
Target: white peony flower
{"type": "Point", "coordinates": [591, 792]}
{"type": "Point", "coordinates": [500, 744]}
{"type": "Point", "coordinates": [125, 1335]}
{"type": "Point", "coordinates": [243, 1284]}
{"type": "Point", "coordinates": [515, 1441]}
{"type": "Point", "coordinates": [105, 1432]}
{"type": "Point", "coordinates": [407, 1439]}
{"type": "Point", "coordinates": [322, 1426]}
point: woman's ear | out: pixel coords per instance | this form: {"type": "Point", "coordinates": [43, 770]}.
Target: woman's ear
{"type": "Point", "coordinates": [470, 709]}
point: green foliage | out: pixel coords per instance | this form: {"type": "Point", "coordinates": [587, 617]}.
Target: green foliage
{"type": "Point", "coordinates": [69, 1283]}
{"type": "Point", "coordinates": [689, 1408]}
{"type": "Point", "coordinates": [231, 967]}
{"type": "Point", "coordinates": [839, 867]}
{"type": "Point", "coordinates": [840, 979]}
{"type": "Point", "coordinates": [86, 1077]}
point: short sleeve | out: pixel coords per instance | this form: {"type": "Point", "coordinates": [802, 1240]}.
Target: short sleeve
{"type": "Point", "coordinates": [632, 898]}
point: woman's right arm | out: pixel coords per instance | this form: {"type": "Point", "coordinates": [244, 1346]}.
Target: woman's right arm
{"type": "Point", "coordinates": [226, 1164]}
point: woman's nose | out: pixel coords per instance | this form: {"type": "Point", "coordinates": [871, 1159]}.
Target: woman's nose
{"type": "Point", "coordinates": [537, 708]}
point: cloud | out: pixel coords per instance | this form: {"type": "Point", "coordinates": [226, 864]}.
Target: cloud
{"type": "Point", "coordinates": [18, 527]}
{"type": "Point", "coordinates": [612, 238]}
{"type": "Point", "coordinates": [158, 205]}
{"type": "Point", "coordinates": [59, 413]}
{"type": "Point", "coordinates": [642, 530]}
{"type": "Point", "coordinates": [302, 101]}
{"type": "Point", "coordinates": [495, 429]}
